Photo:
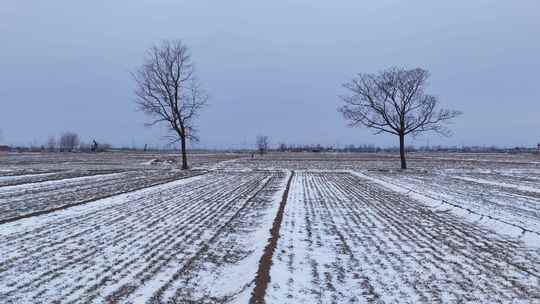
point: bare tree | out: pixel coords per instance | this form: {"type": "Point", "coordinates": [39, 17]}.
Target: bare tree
{"type": "Point", "coordinates": [393, 101]}
{"type": "Point", "coordinates": [168, 90]}
{"type": "Point", "coordinates": [69, 141]}
{"type": "Point", "coordinates": [95, 146]}
{"type": "Point", "coordinates": [262, 144]}
{"type": "Point", "coordinates": [51, 144]}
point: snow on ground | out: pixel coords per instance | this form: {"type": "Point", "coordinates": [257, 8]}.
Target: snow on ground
{"type": "Point", "coordinates": [518, 187]}
{"type": "Point", "coordinates": [349, 240]}
{"type": "Point", "coordinates": [50, 176]}
{"type": "Point", "coordinates": [151, 245]}
{"type": "Point", "coordinates": [26, 176]}
{"type": "Point", "coordinates": [28, 198]}
{"type": "Point", "coordinates": [454, 229]}
{"type": "Point", "coordinates": [507, 207]}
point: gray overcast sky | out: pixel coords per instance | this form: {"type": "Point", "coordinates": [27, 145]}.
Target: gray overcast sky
{"type": "Point", "coordinates": [273, 67]}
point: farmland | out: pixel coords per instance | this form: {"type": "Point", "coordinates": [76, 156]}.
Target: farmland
{"type": "Point", "coordinates": [282, 228]}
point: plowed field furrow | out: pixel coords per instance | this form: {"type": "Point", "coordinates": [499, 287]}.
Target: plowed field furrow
{"type": "Point", "coordinates": [42, 188]}
{"type": "Point", "coordinates": [348, 240]}
{"type": "Point", "coordinates": [49, 176]}
{"type": "Point", "coordinates": [184, 285]}
{"type": "Point", "coordinates": [58, 231]}
{"type": "Point", "coordinates": [79, 226]}
{"type": "Point", "coordinates": [27, 199]}
{"type": "Point", "coordinates": [114, 249]}
{"type": "Point", "coordinates": [529, 179]}
{"type": "Point", "coordinates": [508, 204]}
{"type": "Point", "coordinates": [166, 251]}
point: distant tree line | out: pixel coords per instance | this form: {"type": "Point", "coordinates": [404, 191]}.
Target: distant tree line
{"type": "Point", "coordinates": [371, 148]}
{"type": "Point", "coordinates": [66, 142]}
{"type": "Point", "coordinates": [282, 147]}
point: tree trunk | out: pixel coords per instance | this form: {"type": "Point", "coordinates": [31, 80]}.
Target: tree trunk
{"type": "Point", "coordinates": [184, 154]}
{"type": "Point", "coordinates": [402, 151]}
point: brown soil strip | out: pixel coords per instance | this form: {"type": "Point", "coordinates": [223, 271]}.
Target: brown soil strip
{"type": "Point", "coordinates": [63, 207]}
{"type": "Point", "coordinates": [263, 273]}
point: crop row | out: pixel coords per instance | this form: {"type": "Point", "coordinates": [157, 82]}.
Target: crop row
{"type": "Point", "coordinates": [348, 240]}
{"type": "Point", "coordinates": [27, 199]}
{"type": "Point", "coordinates": [137, 247]}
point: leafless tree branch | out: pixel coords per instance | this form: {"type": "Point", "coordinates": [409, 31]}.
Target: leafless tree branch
{"type": "Point", "coordinates": [393, 101]}
{"type": "Point", "coordinates": [168, 91]}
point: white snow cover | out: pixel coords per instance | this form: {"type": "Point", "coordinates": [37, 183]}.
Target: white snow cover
{"type": "Point", "coordinates": [439, 204]}
{"type": "Point", "coordinates": [23, 187]}
{"type": "Point", "coordinates": [194, 238]}
{"type": "Point", "coordinates": [453, 234]}
{"type": "Point", "coordinates": [506, 185]}
{"type": "Point", "coordinates": [18, 177]}
{"type": "Point", "coordinates": [346, 239]}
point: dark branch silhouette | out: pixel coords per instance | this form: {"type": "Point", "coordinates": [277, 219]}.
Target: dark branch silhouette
{"type": "Point", "coordinates": [393, 101]}
{"type": "Point", "coordinates": [168, 91]}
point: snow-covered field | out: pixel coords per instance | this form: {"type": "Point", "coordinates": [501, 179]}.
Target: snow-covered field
{"type": "Point", "coordinates": [346, 228]}
{"type": "Point", "coordinates": [28, 198]}
{"type": "Point", "coordinates": [167, 241]}
{"type": "Point", "coordinates": [350, 240]}
{"type": "Point", "coordinates": [510, 199]}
